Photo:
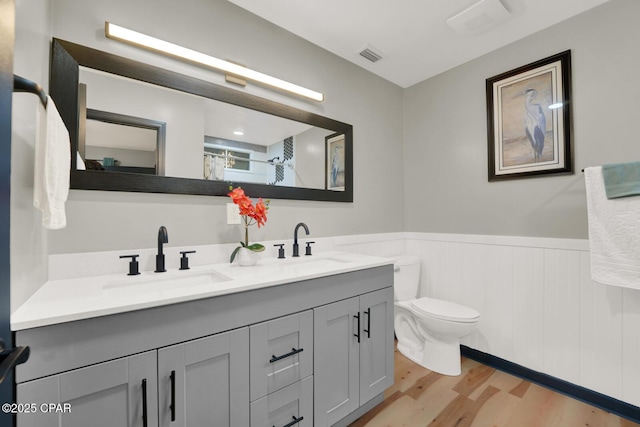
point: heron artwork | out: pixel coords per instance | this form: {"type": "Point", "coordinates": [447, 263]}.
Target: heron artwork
{"type": "Point", "coordinates": [535, 123]}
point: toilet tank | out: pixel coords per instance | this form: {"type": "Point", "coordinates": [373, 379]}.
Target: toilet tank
{"type": "Point", "coordinates": [406, 277]}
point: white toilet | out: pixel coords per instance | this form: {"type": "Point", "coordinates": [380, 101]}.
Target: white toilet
{"type": "Point", "coordinates": [428, 330]}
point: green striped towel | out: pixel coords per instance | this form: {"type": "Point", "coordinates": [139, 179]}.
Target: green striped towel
{"type": "Point", "coordinates": [621, 179]}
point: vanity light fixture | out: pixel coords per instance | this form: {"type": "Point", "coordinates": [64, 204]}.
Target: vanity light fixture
{"type": "Point", "coordinates": [135, 38]}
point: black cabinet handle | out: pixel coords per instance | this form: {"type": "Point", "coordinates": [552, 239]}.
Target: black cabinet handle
{"type": "Point", "coordinates": [357, 316]}
{"type": "Point", "coordinates": [172, 407]}
{"type": "Point", "coordinates": [294, 422]}
{"type": "Point", "coordinates": [9, 358]}
{"type": "Point", "coordinates": [144, 403]}
{"type": "Point", "coordinates": [293, 351]}
{"type": "Point", "coordinates": [368, 330]}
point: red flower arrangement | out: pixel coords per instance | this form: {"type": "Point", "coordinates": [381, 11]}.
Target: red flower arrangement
{"type": "Point", "coordinates": [251, 214]}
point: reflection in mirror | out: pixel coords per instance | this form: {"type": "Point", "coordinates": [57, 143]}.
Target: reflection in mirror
{"type": "Point", "coordinates": [335, 162]}
{"type": "Point", "coordinates": [240, 145]}
{"type": "Point", "coordinates": [212, 136]}
{"type": "Point", "coordinates": [120, 143]}
{"type": "Point", "coordinates": [294, 161]}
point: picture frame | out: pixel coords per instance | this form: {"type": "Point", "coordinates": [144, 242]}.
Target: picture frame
{"type": "Point", "coordinates": [335, 162]}
{"type": "Point", "coordinates": [529, 120]}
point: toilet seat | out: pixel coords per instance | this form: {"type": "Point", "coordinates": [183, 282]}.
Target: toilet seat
{"type": "Point", "coordinates": [445, 310]}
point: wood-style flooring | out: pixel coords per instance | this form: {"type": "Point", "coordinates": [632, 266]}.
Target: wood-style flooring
{"type": "Point", "coordinates": [480, 397]}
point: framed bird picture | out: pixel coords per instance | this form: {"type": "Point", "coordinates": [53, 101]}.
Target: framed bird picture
{"type": "Point", "coordinates": [529, 120]}
{"type": "Point", "coordinates": [334, 161]}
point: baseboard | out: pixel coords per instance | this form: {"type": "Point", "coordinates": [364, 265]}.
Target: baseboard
{"type": "Point", "coordinates": [591, 397]}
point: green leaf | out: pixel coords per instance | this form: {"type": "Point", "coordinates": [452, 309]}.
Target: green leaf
{"type": "Point", "coordinates": [243, 245]}
{"type": "Point", "coordinates": [234, 253]}
{"type": "Point", "coordinates": [256, 247]}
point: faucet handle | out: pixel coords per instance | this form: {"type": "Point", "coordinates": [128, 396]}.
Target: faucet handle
{"type": "Point", "coordinates": [281, 250]}
{"type": "Point", "coordinates": [308, 249]}
{"type": "Point", "coordinates": [184, 261]}
{"type": "Point", "coordinates": [133, 264]}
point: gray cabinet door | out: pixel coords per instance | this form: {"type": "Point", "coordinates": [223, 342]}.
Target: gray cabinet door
{"type": "Point", "coordinates": [109, 394]}
{"type": "Point", "coordinates": [281, 353]}
{"type": "Point", "coordinates": [376, 345]}
{"type": "Point", "coordinates": [336, 361]}
{"type": "Point", "coordinates": [205, 382]}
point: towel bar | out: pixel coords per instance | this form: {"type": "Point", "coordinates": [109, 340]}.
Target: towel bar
{"type": "Point", "coordinates": [20, 84]}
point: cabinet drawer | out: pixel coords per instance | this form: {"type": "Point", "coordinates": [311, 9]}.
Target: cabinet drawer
{"type": "Point", "coordinates": [290, 406]}
{"type": "Point", "coordinates": [281, 353]}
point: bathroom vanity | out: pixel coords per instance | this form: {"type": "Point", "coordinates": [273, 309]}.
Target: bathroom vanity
{"type": "Point", "coordinates": [305, 342]}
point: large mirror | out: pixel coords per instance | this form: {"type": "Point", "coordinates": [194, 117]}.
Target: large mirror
{"type": "Point", "coordinates": [136, 127]}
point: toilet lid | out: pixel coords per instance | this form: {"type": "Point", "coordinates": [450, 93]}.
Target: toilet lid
{"type": "Point", "coordinates": [445, 310]}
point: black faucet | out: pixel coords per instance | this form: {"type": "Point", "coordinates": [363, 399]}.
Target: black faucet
{"type": "Point", "coordinates": [295, 237]}
{"type": "Point", "coordinates": [162, 238]}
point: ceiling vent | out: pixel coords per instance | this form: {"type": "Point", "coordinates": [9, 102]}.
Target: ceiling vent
{"type": "Point", "coordinates": [370, 53]}
{"type": "Point", "coordinates": [480, 17]}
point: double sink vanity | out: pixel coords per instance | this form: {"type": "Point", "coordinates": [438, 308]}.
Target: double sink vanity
{"type": "Point", "coordinates": [299, 341]}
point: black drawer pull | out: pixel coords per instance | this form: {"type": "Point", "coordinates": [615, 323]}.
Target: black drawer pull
{"type": "Point", "coordinates": [368, 330]}
{"type": "Point", "coordinates": [144, 402]}
{"type": "Point", "coordinates": [172, 407]}
{"type": "Point", "coordinates": [293, 351]}
{"type": "Point", "coordinates": [357, 316]}
{"type": "Point", "coordinates": [294, 422]}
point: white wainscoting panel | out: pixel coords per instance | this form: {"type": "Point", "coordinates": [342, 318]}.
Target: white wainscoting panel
{"type": "Point", "coordinates": [528, 303]}
{"type": "Point", "coordinates": [539, 307]}
{"type": "Point", "coordinates": [631, 345]}
{"type": "Point", "coordinates": [601, 349]}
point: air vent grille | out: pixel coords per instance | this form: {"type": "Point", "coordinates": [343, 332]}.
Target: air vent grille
{"type": "Point", "coordinates": [369, 54]}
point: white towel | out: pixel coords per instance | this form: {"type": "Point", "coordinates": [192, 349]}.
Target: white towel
{"type": "Point", "coordinates": [218, 168]}
{"type": "Point", "coordinates": [207, 167]}
{"type": "Point", "coordinates": [614, 234]}
{"type": "Point", "coordinates": [52, 166]}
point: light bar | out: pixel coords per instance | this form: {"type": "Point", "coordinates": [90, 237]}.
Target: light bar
{"type": "Point", "coordinates": [125, 35]}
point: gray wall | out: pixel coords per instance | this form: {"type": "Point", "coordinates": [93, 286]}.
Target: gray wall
{"type": "Point", "coordinates": [29, 241]}
{"type": "Point", "coordinates": [446, 187]}
{"type": "Point", "coordinates": [308, 145]}
{"type": "Point", "coordinates": [100, 221]}
{"type": "Point", "coordinates": [370, 104]}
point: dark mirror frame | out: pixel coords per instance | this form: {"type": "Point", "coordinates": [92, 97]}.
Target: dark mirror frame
{"type": "Point", "coordinates": [67, 57]}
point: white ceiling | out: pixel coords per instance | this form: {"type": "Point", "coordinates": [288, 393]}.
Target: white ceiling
{"type": "Point", "coordinates": [412, 35]}
{"type": "Point", "coordinates": [222, 120]}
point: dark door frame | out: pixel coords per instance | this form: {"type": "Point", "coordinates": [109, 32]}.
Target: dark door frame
{"type": "Point", "coordinates": [7, 38]}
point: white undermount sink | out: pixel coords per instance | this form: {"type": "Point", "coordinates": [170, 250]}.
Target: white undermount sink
{"type": "Point", "coordinates": [159, 282]}
{"type": "Point", "coordinates": [313, 261]}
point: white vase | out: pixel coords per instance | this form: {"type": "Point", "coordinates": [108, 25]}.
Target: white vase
{"type": "Point", "coordinates": [246, 257]}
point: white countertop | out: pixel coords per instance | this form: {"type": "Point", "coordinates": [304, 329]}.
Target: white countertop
{"type": "Point", "coordinates": [67, 300]}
